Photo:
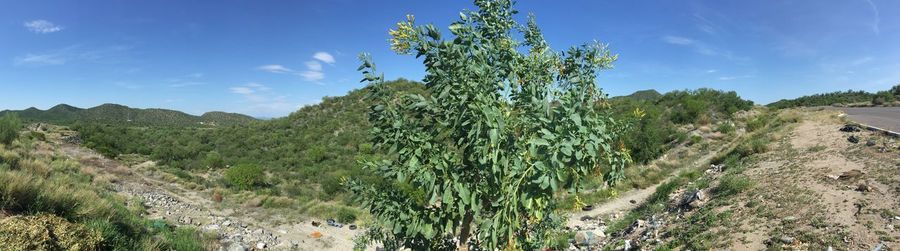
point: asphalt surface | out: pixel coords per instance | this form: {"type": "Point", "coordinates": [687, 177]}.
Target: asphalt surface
{"type": "Point", "coordinates": [881, 117]}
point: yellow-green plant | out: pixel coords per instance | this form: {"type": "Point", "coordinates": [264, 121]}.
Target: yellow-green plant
{"type": "Point", "coordinates": [505, 126]}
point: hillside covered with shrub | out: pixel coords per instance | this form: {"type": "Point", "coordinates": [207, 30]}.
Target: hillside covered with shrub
{"type": "Point", "coordinates": [841, 98]}
{"type": "Point", "coordinates": [123, 115]}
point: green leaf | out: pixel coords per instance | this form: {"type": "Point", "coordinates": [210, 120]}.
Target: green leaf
{"type": "Point", "coordinates": [538, 142]}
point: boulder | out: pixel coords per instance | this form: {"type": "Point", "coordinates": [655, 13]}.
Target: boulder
{"type": "Point", "coordinates": [586, 238]}
{"type": "Point", "coordinates": [260, 245]}
{"type": "Point", "coordinates": [870, 142]}
{"type": "Point", "coordinates": [853, 139]}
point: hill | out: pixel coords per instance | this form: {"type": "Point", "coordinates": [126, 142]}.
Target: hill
{"type": "Point", "coordinates": [839, 98]}
{"type": "Point", "coordinates": [648, 95]}
{"type": "Point", "coordinates": [124, 115]}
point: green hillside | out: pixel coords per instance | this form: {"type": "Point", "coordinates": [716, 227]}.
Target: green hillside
{"type": "Point", "coordinates": [841, 98]}
{"type": "Point", "coordinates": [650, 94]}
{"type": "Point", "coordinates": [123, 115]}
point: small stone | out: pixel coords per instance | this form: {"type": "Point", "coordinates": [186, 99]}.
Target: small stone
{"type": "Point", "coordinates": [260, 245]}
{"type": "Point", "coordinates": [870, 142]}
{"type": "Point", "coordinates": [789, 219]}
{"type": "Point", "coordinates": [787, 240]}
{"type": "Point", "coordinates": [226, 223]}
{"type": "Point", "coordinates": [236, 247]}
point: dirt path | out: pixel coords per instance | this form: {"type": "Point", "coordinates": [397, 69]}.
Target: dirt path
{"type": "Point", "coordinates": [634, 198]}
{"type": "Point", "coordinates": [237, 228]}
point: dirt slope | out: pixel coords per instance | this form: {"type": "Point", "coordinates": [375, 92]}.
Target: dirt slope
{"type": "Point", "coordinates": [237, 228]}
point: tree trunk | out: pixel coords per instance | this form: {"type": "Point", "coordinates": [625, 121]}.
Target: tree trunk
{"type": "Point", "coordinates": [464, 232]}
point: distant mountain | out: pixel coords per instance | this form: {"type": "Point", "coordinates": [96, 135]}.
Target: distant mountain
{"type": "Point", "coordinates": [124, 115]}
{"type": "Point", "coordinates": [648, 95]}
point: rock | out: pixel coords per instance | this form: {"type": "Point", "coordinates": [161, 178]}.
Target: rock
{"type": "Point", "coordinates": [863, 188]}
{"type": "Point", "coordinates": [786, 240]}
{"type": "Point", "coordinates": [789, 219]}
{"type": "Point", "coordinates": [587, 208]}
{"type": "Point", "coordinates": [236, 247]}
{"type": "Point", "coordinates": [632, 202]}
{"type": "Point", "coordinates": [226, 223]}
{"type": "Point", "coordinates": [850, 174]}
{"type": "Point", "coordinates": [261, 245]}
{"type": "Point", "coordinates": [586, 238]}
{"type": "Point", "coordinates": [870, 142]}
{"type": "Point", "coordinates": [693, 199]}
{"type": "Point", "coordinates": [853, 139]}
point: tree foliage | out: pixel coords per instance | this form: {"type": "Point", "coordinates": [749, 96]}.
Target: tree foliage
{"type": "Point", "coordinates": [499, 133]}
{"type": "Point", "coordinates": [9, 128]}
{"type": "Point", "coordinates": [245, 176]}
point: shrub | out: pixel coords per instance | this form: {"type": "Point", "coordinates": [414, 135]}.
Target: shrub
{"type": "Point", "coordinates": [757, 123]}
{"type": "Point", "coordinates": [9, 128]}
{"type": "Point", "coordinates": [214, 160]}
{"type": "Point", "coordinates": [726, 127]}
{"type": "Point", "coordinates": [46, 232]}
{"type": "Point", "coordinates": [733, 184]}
{"type": "Point", "coordinates": [346, 215]}
{"type": "Point", "coordinates": [244, 176]}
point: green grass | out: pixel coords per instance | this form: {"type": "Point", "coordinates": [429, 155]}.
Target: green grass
{"type": "Point", "coordinates": [46, 186]}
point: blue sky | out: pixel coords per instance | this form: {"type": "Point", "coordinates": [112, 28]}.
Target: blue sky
{"type": "Point", "coordinates": [267, 58]}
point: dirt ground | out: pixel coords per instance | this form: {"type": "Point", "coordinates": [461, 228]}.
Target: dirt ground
{"type": "Point", "coordinates": [833, 192]}
{"type": "Point", "coordinates": [241, 228]}
{"type": "Point", "coordinates": [811, 189]}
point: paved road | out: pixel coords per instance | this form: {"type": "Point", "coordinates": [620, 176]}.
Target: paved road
{"type": "Point", "coordinates": [882, 117]}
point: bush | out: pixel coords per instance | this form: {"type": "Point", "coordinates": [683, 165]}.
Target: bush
{"type": "Point", "coordinates": [214, 160]}
{"type": "Point", "coordinates": [46, 232]}
{"type": "Point", "coordinates": [733, 184]}
{"type": "Point", "coordinates": [244, 177]}
{"type": "Point", "coordinates": [345, 215]}
{"type": "Point", "coordinates": [9, 128]}
{"type": "Point", "coordinates": [726, 127]}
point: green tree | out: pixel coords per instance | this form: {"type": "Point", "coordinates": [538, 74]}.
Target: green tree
{"type": "Point", "coordinates": [497, 135]}
{"type": "Point", "coordinates": [9, 128]}
{"type": "Point", "coordinates": [245, 176]}
{"type": "Point", "coordinates": [214, 160]}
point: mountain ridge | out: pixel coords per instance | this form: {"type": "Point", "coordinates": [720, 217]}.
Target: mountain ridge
{"type": "Point", "coordinates": [122, 114]}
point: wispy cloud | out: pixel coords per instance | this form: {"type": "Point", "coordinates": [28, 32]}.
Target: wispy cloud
{"type": "Point", "coordinates": [193, 79]}
{"type": "Point", "coordinates": [711, 71]}
{"type": "Point", "coordinates": [324, 57]}
{"type": "Point", "coordinates": [259, 99]}
{"type": "Point", "coordinates": [274, 68]}
{"type": "Point", "coordinates": [876, 19]}
{"type": "Point", "coordinates": [676, 40]}
{"type": "Point", "coordinates": [314, 71]}
{"type": "Point", "coordinates": [729, 78]}
{"type": "Point", "coordinates": [75, 53]}
{"type": "Point", "coordinates": [41, 26]}
{"type": "Point", "coordinates": [127, 85]}
{"type": "Point", "coordinates": [701, 47]}
{"type": "Point", "coordinates": [313, 66]}
{"type": "Point", "coordinates": [241, 90]}
{"type": "Point", "coordinates": [40, 59]}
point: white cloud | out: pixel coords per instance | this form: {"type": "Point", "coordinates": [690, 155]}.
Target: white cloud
{"type": "Point", "coordinates": [877, 18]}
{"type": "Point", "coordinates": [40, 59]}
{"type": "Point", "coordinates": [116, 54]}
{"type": "Point", "coordinates": [729, 78]}
{"type": "Point", "coordinates": [701, 47]}
{"type": "Point", "coordinates": [678, 40]}
{"type": "Point", "coordinates": [313, 66]}
{"type": "Point", "coordinates": [314, 71]}
{"type": "Point", "coordinates": [274, 68]}
{"type": "Point", "coordinates": [241, 90]}
{"type": "Point", "coordinates": [41, 26]}
{"type": "Point", "coordinates": [712, 71]}
{"type": "Point", "coordinates": [324, 57]}
{"type": "Point", "coordinates": [312, 75]}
